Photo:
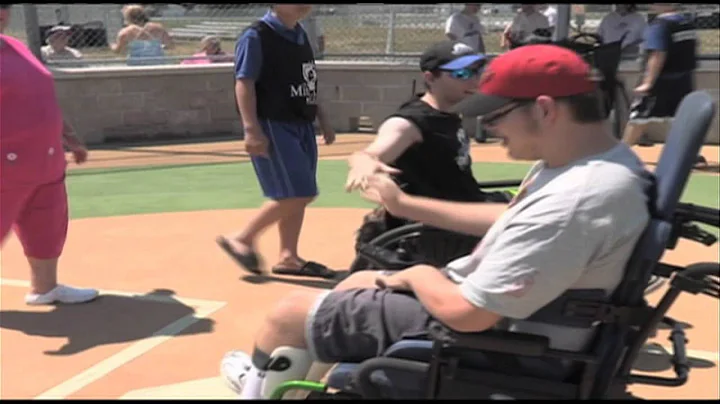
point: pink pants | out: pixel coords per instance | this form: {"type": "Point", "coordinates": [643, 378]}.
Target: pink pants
{"type": "Point", "coordinates": [39, 216]}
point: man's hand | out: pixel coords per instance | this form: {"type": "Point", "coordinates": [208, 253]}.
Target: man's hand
{"type": "Point", "coordinates": [328, 133]}
{"type": "Point", "coordinates": [642, 89]}
{"type": "Point", "coordinates": [256, 143]}
{"type": "Point", "coordinates": [402, 280]}
{"type": "Point", "coordinates": [77, 148]}
{"type": "Point", "coordinates": [362, 166]}
{"type": "Point", "coordinates": [381, 189]}
{"type": "Point", "coordinates": [397, 281]}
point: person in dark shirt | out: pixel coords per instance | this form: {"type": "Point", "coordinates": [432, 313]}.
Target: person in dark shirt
{"type": "Point", "coordinates": [669, 62]}
{"type": "Point", "coordinates": [422, 144]}
{"type": "Point", "coordinates": [276, 85]}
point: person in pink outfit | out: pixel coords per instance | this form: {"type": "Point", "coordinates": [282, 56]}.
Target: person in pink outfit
{"type": "Point", "coordinates": [210, 52]}
{"type": "Point", "coordinates": [33, 198]}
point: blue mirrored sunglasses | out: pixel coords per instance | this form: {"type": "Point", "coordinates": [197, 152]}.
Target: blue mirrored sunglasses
{"type": "Point", "coordinates": [464, 74]}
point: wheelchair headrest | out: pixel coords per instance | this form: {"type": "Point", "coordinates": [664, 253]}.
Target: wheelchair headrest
{"type": "Point", "coordinates": [685, 138]}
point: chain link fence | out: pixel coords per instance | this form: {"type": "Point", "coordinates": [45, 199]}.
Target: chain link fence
{"type": "Point", "coordinates": [604, 19]}
{"type": "Point", "coordinates": [347, 32]}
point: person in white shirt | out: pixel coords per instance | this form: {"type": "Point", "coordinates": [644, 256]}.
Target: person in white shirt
{"type": "Point", "coordinates": [57, 48]}
{"type": "Point", "coordinates": [551, 13]}
{"type": "Point", "coordinates": [624, 20]}
{"type": "Point", "coordinates": [525, 23]}
{"type": "Point", "coordinates": [464, 26]}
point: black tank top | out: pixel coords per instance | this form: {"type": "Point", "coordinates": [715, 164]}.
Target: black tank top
{"type": "Point", "coordinates": [440, 166]}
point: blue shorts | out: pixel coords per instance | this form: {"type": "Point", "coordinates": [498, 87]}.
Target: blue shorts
{"type": "Point", "coordinates": [291, 168]}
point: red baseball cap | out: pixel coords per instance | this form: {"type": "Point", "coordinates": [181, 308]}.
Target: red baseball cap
{"type": "Point", "coordinates": [526, 73]}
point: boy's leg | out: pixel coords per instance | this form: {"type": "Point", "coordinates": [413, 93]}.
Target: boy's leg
{"type": "Point", "coordinates": [327, 327]}
{"type": "Point", "coordinates": [286, 179]}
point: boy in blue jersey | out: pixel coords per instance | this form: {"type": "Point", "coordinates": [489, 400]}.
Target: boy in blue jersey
{"type": "Point", "coordinates": [276, 92]}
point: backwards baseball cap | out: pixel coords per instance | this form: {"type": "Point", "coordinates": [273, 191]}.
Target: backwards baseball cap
{"type": "Point", "coordinates": [57, 29]}
{"type": "Point", "coordinates": [449, 55]}
{"type": "Point", "coordinates": [526, 73]}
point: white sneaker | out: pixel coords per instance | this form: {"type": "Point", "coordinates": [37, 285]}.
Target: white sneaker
{"type": "Point", "coordinates": [234, 368]}
{"type": "Point", "coordinates": [62, 294]}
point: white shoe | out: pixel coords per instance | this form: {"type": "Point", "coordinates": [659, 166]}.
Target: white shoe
{"type": "Point", "coordinates": [62, 294]}
{"type": "Point", "coordinates": [234, 368]}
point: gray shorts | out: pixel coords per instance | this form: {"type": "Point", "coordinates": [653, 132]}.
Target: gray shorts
{"type": "Point", "coordinates": [359, 324]}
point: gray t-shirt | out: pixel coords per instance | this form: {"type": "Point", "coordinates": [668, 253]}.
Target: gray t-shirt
{"type": "Point", "coordinates": [572, 227]}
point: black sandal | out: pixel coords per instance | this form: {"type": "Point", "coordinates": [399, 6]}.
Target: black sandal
{"type": "Point", "coordinates": [249, 262]}
{"type": "Point", "coordinates": [309, 268]}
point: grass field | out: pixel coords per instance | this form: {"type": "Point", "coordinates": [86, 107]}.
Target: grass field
{"type": "Point", "coordinates": [123, 191]}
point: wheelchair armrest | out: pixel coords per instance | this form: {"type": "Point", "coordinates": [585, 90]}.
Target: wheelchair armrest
{"type": "Point", "coordinates": [500, 184]}
{"type": "Point", "coordinates": [493, 341]}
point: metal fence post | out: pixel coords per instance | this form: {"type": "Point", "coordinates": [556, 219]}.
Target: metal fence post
{"type": "Point", "coordinates": [32, 29]}
{"type": "Point", "coordinates": [390, 44]}
{"type": "Point", "coordinates": [562, 30]}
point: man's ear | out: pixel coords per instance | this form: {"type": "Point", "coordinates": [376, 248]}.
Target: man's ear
{"type": "Point", "coordinates": [429, 77]}
{"type": "Point", "coordinates": [546, 108]}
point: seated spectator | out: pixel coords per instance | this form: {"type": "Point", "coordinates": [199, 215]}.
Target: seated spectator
{"type": "Point", "coordinates": [625, 23]}
{"type": "Point", "coordinates": [57, 48]}
{"type": "Point", "coordinates": [527, 21]}
{"type": "Point", "coordinates": [210, 52]}
{"type": "Point", "coordinates": [145, 42]}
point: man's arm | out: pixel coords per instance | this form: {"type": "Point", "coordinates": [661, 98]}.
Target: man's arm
{"type": "Point", "coordinates": [462, 217]}
{"type": "Point", "coordinates": [443, 300]}
{"type": "Point", "coordinates": [248, 62]}
{"type": "Point", "coordinates": [451, 28]}
{"type": "Point", "coordinates": [656, 44]}
{"type": "Point", "coordinates": [394, 136]}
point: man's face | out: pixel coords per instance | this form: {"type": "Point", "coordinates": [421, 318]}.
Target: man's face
{"type": "Point", "coordinates": [59, 40]}
{"type": "Point", "coordinates": [453, 86]}
{"type": "Point", "coordinates": [473, 8]}
{"type": "Point", "coordinates": [527, 8]}
{"type": "Point", "coordinates": [294, 11]}
{"type": "Point", "coordinates": [658, 8]}
{"type": "Point", "coordinates": [621, 8]}
{"type": "Point", "coordinates": [516, 126]}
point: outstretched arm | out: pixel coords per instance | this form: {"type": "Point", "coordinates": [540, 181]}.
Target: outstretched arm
{"type": "Point", "coordinates": [474, 218]}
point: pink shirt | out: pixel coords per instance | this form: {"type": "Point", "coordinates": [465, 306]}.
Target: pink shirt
{"type": "Point", "coordinates": [31, 148]}
{"type": "Point", "coordinates": [205, 59]}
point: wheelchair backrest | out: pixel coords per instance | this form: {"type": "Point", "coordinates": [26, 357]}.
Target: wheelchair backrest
{"type": "Point", "coordinates": [673, 170]}
{"type": "Point", "coordinates": [684, 140]}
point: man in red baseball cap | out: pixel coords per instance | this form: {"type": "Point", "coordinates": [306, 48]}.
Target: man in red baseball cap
{"type": "Point", "coordinates": [573, 225]}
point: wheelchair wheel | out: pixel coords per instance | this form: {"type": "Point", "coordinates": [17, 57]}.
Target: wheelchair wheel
{"type": "Point", "coordinates": [419, 243]}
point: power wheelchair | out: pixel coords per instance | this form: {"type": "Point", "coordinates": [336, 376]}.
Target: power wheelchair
{"type": "Point", "coordinates": [411, 242]}
{"type": "Point", "coordinates": [444, 365]}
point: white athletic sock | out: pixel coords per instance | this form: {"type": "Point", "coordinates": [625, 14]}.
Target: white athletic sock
{"type": "Point", "coordinates": [253, 384]}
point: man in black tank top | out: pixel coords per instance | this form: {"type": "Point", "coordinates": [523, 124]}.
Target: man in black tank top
{"type": "Point", "coordinates": [668, 62]}
{"type": "Point", "coordinates": [422, 144]}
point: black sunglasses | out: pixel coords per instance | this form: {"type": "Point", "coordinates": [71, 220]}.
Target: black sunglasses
{"type": "Point", "coordinates": [490, 120]}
